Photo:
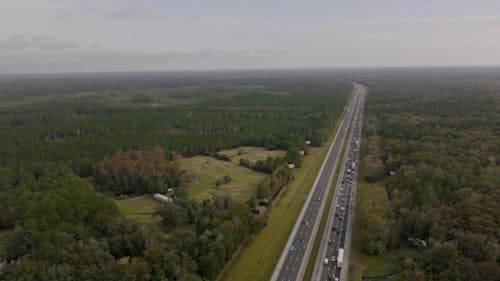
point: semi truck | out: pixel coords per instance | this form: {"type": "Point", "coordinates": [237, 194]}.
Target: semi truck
{"type": "Point", "coordinates": [340, 259]}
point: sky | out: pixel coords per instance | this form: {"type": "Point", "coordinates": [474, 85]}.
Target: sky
{"type": "Point", "coordinates": [46, 36]}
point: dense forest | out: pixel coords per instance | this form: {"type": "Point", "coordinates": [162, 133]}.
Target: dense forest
{"type": "Point", "coordinates": [64, 230]}
{"type": "Point", "coordinates": [431, 152]}
{"type": "Point", "coordinates": [65, 140]}
{"type": "Point", "coordinates": [81, 132]}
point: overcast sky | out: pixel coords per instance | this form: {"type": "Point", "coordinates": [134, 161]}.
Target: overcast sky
{"type": "Point", "coordinates": [130, 35]}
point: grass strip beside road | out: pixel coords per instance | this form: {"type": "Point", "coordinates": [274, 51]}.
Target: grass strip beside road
{"type": "Point", "coordinates": [259, 258]}
{"type": "Point", "coordinates": [321, 229]}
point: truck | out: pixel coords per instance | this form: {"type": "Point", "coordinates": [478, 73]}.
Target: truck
{"type": "Point", "coordinates": [340, 258]}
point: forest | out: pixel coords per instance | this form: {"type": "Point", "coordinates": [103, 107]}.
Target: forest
{"type": "Point", "coordinates": [67, 143]}
{"type": "Point", "coordinates": [82, 131]}
{"type": "Point", "coordinates": [430, 162]}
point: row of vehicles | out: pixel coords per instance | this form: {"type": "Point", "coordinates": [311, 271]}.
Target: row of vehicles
{"type": "Point", "coordinates": [334, 258]}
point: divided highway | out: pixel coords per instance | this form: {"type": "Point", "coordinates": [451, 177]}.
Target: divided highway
{"type": "Point", "coordinates": [295, 256]}
{"type": "Point", "coordinates": [333, 256]}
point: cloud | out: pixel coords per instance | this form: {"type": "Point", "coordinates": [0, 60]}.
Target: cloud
{"type": "Point", "coordinates": [41, 42]}
{"type": "Point", "coordinates": [129, 13]}
{"type": "Point", "coordinates": [110, 12]}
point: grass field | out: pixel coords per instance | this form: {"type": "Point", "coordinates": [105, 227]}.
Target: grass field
{"type": "Point", "coordinates": [251, 153]}
{"type": "Point", "coordinates": [261, 255]}
{"type": "Point", "coordinates": [140, 209]}
{"type": "Point", "coordinates": [207, 170]}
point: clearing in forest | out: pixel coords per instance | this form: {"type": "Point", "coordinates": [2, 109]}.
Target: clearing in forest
{"type": "Point", "coordinates": [206, 171]}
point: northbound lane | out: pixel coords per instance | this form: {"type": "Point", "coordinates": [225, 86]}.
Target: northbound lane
{"type": "Point", "coordinates": [295, 256]}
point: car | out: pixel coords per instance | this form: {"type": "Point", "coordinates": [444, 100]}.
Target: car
{"type": "Point", "coordinates": [333, 258]}
{"type": "Point", "coordinates": [303, 248]}
{"type": "Point", "coordinates": [325, 262]}
{"type": "Point", "coordinates": [292, 248]}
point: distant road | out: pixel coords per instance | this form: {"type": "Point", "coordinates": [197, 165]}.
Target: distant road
{"type": "Point", "coordinates": [337, 232]}
{"type": "Point", "coordinates": [295, 256]}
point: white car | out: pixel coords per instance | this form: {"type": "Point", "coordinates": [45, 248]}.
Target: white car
{"type": "Point", "coordinates": [326, 261]}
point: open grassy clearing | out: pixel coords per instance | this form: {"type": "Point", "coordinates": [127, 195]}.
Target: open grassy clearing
{"type": "Point", "coordinates": [140, 209]}
{"type": "Point", "coordinates": [205, 171]}
{"type": "Point", "coordinates": [261, 255]}
{"type": "Point", "coordinates": [251, 153]}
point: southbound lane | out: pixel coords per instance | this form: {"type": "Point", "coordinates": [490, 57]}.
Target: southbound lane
{"type": "Point", "coordinates": [337, 230]}
{"type": "Point", "coordinates": [295, 256]}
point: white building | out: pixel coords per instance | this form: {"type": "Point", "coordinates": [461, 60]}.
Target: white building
{"type": "Point", "coordinates": [162, 198]}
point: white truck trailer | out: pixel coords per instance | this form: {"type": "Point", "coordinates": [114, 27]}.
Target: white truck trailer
{"type": "Point", "coordinates": [340, 259]}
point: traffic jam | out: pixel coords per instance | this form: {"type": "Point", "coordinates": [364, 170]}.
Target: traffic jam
{"type": "Point", "coordinates": [334, 258]}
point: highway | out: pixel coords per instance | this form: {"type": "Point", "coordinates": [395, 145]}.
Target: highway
{"type": "Point", "coordinates": [337, 230]}
{"type": "Point", "coordinates": [295, 256]}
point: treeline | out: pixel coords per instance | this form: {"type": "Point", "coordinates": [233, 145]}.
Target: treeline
{"type": "Point", "coordinates": [435, 150]}
{"type": "Point", "coordinates": [139, 172]}
{"type": "Point", "coordinates": [279, 176]}
{"type": "Point", "coordinates": [264, 166]}
{"type": "Point", "coordinates": [268, 189]}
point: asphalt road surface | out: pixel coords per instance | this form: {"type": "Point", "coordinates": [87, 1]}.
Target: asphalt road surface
{"type": "Point", "coordinates": [296, 254]}
{"type": "Point", "coordinates": [337, 233]}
